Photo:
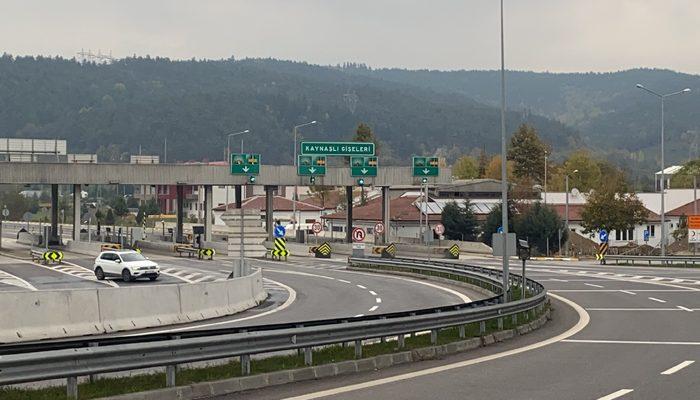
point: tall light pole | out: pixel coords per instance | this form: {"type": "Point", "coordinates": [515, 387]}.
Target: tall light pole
{"type": "Point", "coordinates": [296, 196]}
{"type": "Point", "coordinates": [228, 154]}
{"type": "Point", "coordinates": [662, 97]}
{"type": "Point", "coordinates": [545, 194]}
{"type": "Point", "coordinates": [504, 175]}
{"type": "Point", "coordinates": [566, 212]}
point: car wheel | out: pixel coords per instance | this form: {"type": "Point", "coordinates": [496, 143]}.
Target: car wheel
{"type": "Point", "coordinates": [99, 274]}
{"type": "Point", "coordinates": [152, 278]}
{"type": "Point", "coordinates": [126, 275]}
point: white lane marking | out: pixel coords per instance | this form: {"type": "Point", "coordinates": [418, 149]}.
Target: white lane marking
{"type": "Point", "coordinates": [558, 280]}
{"type": "Point", "coordinates": [593, 285]}
{"type": "Point", "coordinates": [617, 394]}
{"type": "Point", "coordinates": [88, 277]}
{"type": "Point", "coordinates": [632, 309]}
{"type": "Point", "coordinates": [677, 281]}
{"type": "Point", "coordinates": [279, 271]}
{"type": "Point", "coordinates": [657, 279]}
{"type": "Point", "coordinates": [687, 290]}
{"type": "Point", "coordinates": [685, 308]}
{"type": "Point", "coordinates": [291, 299]}
{"type": "Point", "coordinates": [374, 308]}
{"type": "Point", "coordinates": [14, 280]}
{"type": "Point", "coordinates": [372, 292]}
{"type": "Point", "coordinates": [379, 299]}
{"type": "Point", "coordinates": [628, 292]}
{"type": "Point", "coordinates": [657, 300]}
{"type": "Point", "coordinates": [176, 276]}
{"type": "Point", "coordinates": [359, 315]}
{"type": "Point", "coordinates": [362, 287]}
{"type": "Point", "coordinates": [344, 281]}
{"type": "Point", "coordinates": [461, 296]}
{"type": "Point", "coordinates": [583, 320]}
{"type": "Point", "coordinates": [677, 368]}
{"type": "Point", "coordinates": [644, 342]}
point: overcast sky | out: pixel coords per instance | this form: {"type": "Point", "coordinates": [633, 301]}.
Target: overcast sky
{"type": "Point", "coordinates": [541, 35]}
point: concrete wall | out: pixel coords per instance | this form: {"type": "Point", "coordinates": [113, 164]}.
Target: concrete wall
{"type": "Point", "coordinates": [195, 174]}
{"type": "Point", "coordinates": [48, 314]}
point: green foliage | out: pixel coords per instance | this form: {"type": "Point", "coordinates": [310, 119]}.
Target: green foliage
{"type": "Point", "coordinates": [465, 168]}
{"type": "Point", "coordinates": [109, 218]}
{"type": "Point", "coordinates": [132, 203]}
{"type": "Point", "coordinates": [459, 221]}
{"type": "Point", "coordinates": [527, 152]}
{"type": "Point", "coordinates": [610, 210]}
{"type": "Point", "coordinates": [16, 203]}
{"type": "Point", "coordinates": [483, 163]}
{"type": "Point", "coordinates": [493, 221]}
{"type": "Point", "coordinates": [119, 206]}
{"type": "Point", "coordinates": [99, 216]}
{"type": "Point", "coordinates": [537, 223]}
{"type": "Point", "coordinates": [684, 177]}
{"type": "Point", "coordinates": [150, 207]}
{"type": "Point", "coordinates": [140, 216]}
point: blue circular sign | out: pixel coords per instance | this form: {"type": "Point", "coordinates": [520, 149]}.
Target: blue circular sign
{"type": "Point", "coordinates": [603, 235]}
{"type": "Point", "coordinates": [279, 231]}
{"type": "Point", "coordinates": [500, 229]}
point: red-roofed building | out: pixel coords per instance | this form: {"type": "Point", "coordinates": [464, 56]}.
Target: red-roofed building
{"type": "Point", "coordinates": [282, 210]}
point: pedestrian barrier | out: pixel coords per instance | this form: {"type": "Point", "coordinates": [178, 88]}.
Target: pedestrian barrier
{"type": "Point", "coordinates": [70, 359]}
{"type": "Point", "coordinates": [321, 251]}
{"type": "Point", "coordinates": [202, 253]}
{"type": "Point", "coordinates": [110, 246]}
{"type": "Point", "coordinates": [186, 249]}
{"type": "Point", "coordinates": [48, 256]}
{"type": "Point", "coordinates": [667, 260]}
{"type": "Point", "coordinates": [452, 252]}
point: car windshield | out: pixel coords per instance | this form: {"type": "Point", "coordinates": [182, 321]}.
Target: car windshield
{"type": "Point", "coordinates": [129, 257]}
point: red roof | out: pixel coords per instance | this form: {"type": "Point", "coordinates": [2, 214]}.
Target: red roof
{"type": "Point", "coordinates": [400, 209]}
{"type": "Point", "coordinates": [685, 209]}
{"type": "Point", "coordinates": [575, 211]}
{"type": "Point", "coordinates": [279, 203]}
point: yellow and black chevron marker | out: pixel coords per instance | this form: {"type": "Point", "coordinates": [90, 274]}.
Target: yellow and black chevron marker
{"type": "Point", "coordinates": [322, 251]}
{"type": "Point", "coordinates": [206, 253]}
{"type": "Point", "coordinates": [53, 256]}
{"type": "Point", "coordinates": [110, 246]}
{"type": "Point", "coordinates": [602, 251]}
{"type": "Point", "coordinates": [389, 251]}
{"type": "Point", "coordinates": [377, 249]}
{"type": "Point", "coordinates": [280, 249]}
{"type": "Point", "coordinates": [452, 252]}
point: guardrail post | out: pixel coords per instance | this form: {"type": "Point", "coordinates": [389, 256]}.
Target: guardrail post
{"type": "Point", "coordinates": [402, 341]}
{"type": "Point", "coordinates": [482, 328]}
{"type": "Point", "coordinates": [500, 324]}
{"type": "Point", "coordinates": [72, 387]}
{"type": "Point", "coordinates": [515, 319]}
{"type": "Point", "coordinates": [308, 356]}
{"type": "Point", "coordinates": [433, 336]}
{"type": "Point", "coordinates": [462, 332]}
{"type": "Point", "coordinates": [245, 364]}
{"type": "Point", "coordinates": [170, 375]}
{"type": "Point", "coordinates": [358, 348]}
{"type": "Point", "coordinates": [92, 377]}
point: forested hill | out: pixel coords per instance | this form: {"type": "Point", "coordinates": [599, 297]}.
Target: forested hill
{"type": "Point", "coordinates": [611, 114]}
{"type": "Point", "coordinates": [141, 101]}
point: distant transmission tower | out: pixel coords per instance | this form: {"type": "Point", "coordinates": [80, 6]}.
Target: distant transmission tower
{"type": "Point", "coordinates": [99, 57]}
{"type": "Point", "coordinates": [351, 99]}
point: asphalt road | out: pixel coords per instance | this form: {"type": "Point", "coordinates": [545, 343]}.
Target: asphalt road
{"type": "Point", "coordinates": [640, 341]}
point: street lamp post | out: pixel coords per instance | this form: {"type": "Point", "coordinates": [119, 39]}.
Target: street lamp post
{"type": "Point", "coordinates": [662, 97]}
{"type": "Point", "coordinates": [294, 200]}
{"type": "Point", "coordinates": [504, 176]}
{"type": "Point", "coordinates": [228, 153]}
{"type": "Point", "coordinates": [566, 213]}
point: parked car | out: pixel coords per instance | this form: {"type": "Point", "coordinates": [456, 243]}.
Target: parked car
{"type": "Point", "coordinates": [126, 264]}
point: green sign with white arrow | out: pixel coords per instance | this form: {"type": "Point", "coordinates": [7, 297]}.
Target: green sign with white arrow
{"type": "Point", "coordinates": [311, 165]}
{"type": "Point", "coordinates": [363, 166]}
{"type": "Point", "coordinates": [245, 164]}
{"type": "Point", "coordinates": [426, 166]}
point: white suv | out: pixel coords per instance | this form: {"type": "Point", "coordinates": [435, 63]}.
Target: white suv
{"type": "Point", "coordinates": [126, 264]}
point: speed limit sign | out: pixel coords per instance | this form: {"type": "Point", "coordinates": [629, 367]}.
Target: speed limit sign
{"type": "Point", "coordinates": [358, 234]}
{"type": "Point", "coordinates": [379, 227]}
{"type": "Point", "coordinates": [316, 227]}
{"type": "Point", "coordinates": [439, 229]}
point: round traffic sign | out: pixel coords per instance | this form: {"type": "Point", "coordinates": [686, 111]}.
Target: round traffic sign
{"type": "Point", "coordinates": [279, 231]}
{"type": "Point", "coordinates": [439, 229]}
{"type": "Point", "coordinates": [603, 235]}
{"type": "Point", "coordinates": [316, 227]}
{"type": "Point", "coordinates": [5, 212]}
{"type": "Point", "coordinates": [358, 234]}
{"type": "Point", "coordinates": [378, 227]}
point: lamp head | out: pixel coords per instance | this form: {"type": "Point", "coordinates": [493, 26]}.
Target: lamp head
{"type": "Point", "coordinates": [686, 90]}
{"type": "Point", "coordinates": [640, 86]}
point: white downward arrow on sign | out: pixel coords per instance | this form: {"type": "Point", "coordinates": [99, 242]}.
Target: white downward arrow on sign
{"type": "Point", "coordinates": [364, 171]}
{"type": "Point", "coordinates": [245, 169]}
{"type": "Point", "coordinates": [312, 170]}
{"type": "Point", "coordinates": [426, 170]}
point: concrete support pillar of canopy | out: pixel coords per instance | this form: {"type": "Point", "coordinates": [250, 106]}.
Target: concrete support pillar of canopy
{"type": "Point", "coordinates": [54, 214]}
{"type": "Point", "coordinates": [386, 212]}
{"type": "Point", "coordinates": [269, 211]}
{"type": "Point", "coordinates": [238, 194]}
{"type": "Point", "coordinates": [180, 211]}
{"type": "Point", "coordinates": [77, 197]}
{"type": "Point", "coordinates": [208, 194]}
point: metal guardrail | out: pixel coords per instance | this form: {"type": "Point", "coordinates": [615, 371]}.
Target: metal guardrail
{"type": "Point", "coordinates": [69, 359]}
{"type": "Point", "coordinates": [671, 260]}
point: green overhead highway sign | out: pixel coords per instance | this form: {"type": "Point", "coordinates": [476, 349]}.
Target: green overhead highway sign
{"type": "Point", "coordinates": [245, 164]}
{"type": "Point", "coordinates": [311, 165]}
{"type": "Point", "coordinates": [426, 166]}
{"type": "Point", "coordinates": [337, 148]}
{"type": "Point", "coordinates": [363, 166]}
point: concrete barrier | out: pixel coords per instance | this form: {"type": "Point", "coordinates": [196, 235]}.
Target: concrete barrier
{"type": "Point", "coordinates": [37, 315]}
